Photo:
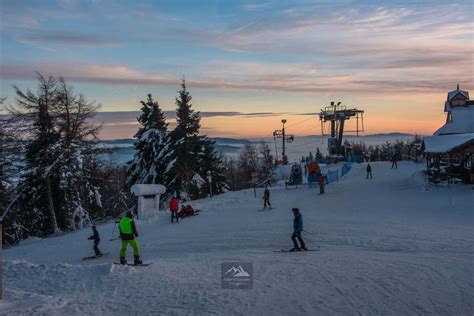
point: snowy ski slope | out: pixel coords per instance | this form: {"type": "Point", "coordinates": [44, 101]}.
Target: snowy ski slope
{"type": "Point", "coordinates": [388, 246]}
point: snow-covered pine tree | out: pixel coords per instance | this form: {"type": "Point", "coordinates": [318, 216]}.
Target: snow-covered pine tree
{"type": "Point", "coordinates": [182, 160]}
{"type": "Point", "coordinates": [192, 156]}
{"type": "Point", "coordinates": [77, 133]}
{"type": "Point", "coordinates": [265, 162]}
{"type": "Point", "coordinates": [211, 164]}
{"type": "Point", "coordinates": [114, 189]}
{"type": "Point", "coordinates": [248, 163]}
{"type": "Point", "coordinates": [34, 117]}
{"type": "Point", "coordinates": [6, 164]}
{"type": "Point", "coordinates": [8, 153]}
{"type": "Point", "coordinates": [58, 128]}
{"type": "Point", "coordinates": [251, 159]}
{"type": "Point", "coordinates": [149, 162]}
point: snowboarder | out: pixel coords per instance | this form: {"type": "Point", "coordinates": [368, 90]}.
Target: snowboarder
{"type": "Point", "coordinates": [266, 198]}
{"type": "Point", "coordinates": [95, 237]}
{"type": "Point", "coordinates": [174, 207]}
{"type": "Point", "coordinates": [321, 183]}
{"type": "Point", "coordinates": [369, 171]}
{"type": "Point", "coordinates": [297, 229]}
{"type": "Point", "coordinates": [394, 161]}
{"type": "Point", "coordinates": [128, 233]}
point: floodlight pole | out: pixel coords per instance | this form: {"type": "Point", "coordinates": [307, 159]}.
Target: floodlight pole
{"type": "Point", "coordinates": [283, 142]}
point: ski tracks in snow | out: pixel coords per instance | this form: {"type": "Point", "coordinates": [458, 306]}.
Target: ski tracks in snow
{"type": "Point", "coordinates": [387, 247]}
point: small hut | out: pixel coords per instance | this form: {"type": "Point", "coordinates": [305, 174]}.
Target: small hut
{"type": "Point", "coordinates": [148, 198]}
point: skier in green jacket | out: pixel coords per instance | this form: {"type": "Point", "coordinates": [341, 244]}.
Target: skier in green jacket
{"type": "Point", "coordinates": [128, 232]}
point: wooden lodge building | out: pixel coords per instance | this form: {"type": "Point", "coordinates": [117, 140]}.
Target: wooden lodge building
{"type": "Point", "coordinates": [450, 151]}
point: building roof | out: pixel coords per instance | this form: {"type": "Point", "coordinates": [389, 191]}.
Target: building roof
{"type": "Point", "coordinates": [447, 143]}
{"type": "Point", "coordinates": [462, 122]}
{"type": "Point", "coordinates": [454, 93]}
{"type": "Point", "coordinates": [148, 189]}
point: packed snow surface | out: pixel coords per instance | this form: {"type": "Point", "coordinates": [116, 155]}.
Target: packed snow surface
{"type": "Point", "coordinates": [391, 245]}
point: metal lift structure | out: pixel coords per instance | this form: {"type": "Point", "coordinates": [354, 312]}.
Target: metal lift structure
{"type": "Point", "coordinates": [336, 115]}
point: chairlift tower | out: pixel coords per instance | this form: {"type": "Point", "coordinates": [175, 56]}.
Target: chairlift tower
{"type": "Point", "coordinates": [337, 114]}
{"type": "Point", "coordinates": [280, 133]}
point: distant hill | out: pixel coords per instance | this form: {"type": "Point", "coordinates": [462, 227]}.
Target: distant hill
{"type": "Point", "coordinates": [224, 140]}
{"type": "Point", "coordinates": [391, 134]}
{"type": "Point", "coordinates": [218, 140]}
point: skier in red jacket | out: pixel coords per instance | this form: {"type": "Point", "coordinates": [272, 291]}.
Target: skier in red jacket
{"type": "Point", "coordinates": [174, 207]}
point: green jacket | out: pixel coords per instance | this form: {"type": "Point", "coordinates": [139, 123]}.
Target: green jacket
{"type": "Point", "coordinates": [127, 228]}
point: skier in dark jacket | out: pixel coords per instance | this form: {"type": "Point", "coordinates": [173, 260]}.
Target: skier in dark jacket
{"type": "Point", "coordinates": [95, 237]}
{"type": "Point", "coordinates": [394, 161]}
{"type": "Point", "coordinates": [297, 229]}
{"type": "Point", "coordinates": [128, 232]}
{"type": "Point", "coordinates": [369, 171]}
{"type": "Point", "coordinates": [266, 198]}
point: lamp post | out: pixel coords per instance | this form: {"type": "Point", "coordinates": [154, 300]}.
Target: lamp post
{"type": "Point", "coordinates": [280, 133]}
{"type": "Point", "coordinates": [209, 180]}
{"type": "Point", "coordinates": [285, 159]}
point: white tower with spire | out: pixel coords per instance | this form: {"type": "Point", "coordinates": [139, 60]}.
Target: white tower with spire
{"type": "Point", "coordinates": [460, 114]}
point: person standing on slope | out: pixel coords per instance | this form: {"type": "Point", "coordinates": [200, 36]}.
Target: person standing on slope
{"type": "Point", "coordinates": [95, 237]}
{"type": "Point", "coordinates": [321, 183]}
{"type": "Point", "coordinates": [297, 229]}
{"type": "Point", "coordinates": [369, 171]}
{"type": "Point", "coordinates": [128, 233]}
{"type": "Point", "coordinates": [266, 198]}
{"type": "Point", "coordinates": [174, 207]}
{"type": "Point", "coordinates": [394, 161]}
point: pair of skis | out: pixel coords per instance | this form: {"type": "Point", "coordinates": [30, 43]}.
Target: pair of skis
{"type": "Point", "coordinates": [95, 257]}
{"type": "Point", "coordinates": [295, 251]}
{"type": "Point", "coordinates": [300, 250]}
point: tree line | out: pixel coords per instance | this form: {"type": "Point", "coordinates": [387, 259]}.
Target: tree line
{"type": "Point", "coordinates": [53, 181]}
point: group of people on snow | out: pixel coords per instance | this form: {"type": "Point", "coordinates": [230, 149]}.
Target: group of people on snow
{"type": "Point", "coordinates": [176, 213]}
{"type": "Point", "coordinates": [128, 234]}
{"type": "Point", "coordinates": [369, 167]}
{"type": "Point", "coordinates": [128, 230]}
{"type": "Point", "coordinates": [297, 222]}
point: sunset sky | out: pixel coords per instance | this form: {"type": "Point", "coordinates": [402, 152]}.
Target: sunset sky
{"type": "Point", "coordinates": [257, 62]}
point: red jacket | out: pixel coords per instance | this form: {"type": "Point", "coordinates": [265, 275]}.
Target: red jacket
{"type": "Point", "coordinates": [174, 205]}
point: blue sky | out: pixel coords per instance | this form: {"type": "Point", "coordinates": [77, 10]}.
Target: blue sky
{"type": "Point", "coordinates": [396, 59]}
